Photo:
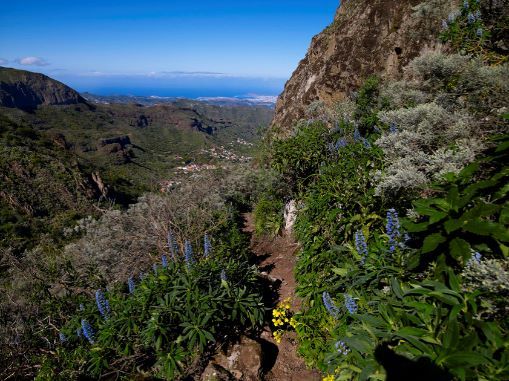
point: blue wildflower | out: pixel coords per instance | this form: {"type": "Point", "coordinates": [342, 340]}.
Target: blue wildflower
{"type": "Point", "coordinates": [350, 304]}
{"type": "Point", "coordinates": [331, 308]}
{"type": "Point", "coordinates": [361, 246]}
{"type": "Point", "coordinates": [164, 261]}
{"type": "Point", "coordinates": [453, 16]}
{"type": "Point", "coordinates": [82, 307]}
{"type": "Point", "coordinates": [470, 18]}
{"type": "Point", "coordinates": [341, 143]}
{"type": "Point", "coordinates": [130, 284]}
{"type": "Point", "coordinates": [223, 275]}
{"type": "Point", "coordinates": [465, 4]}
{"type": "Point", "coordinates": [477, 14]}
{"type": "Point", "coordinates": [393, 229]}
{"type": "Point", "coordinates": [445, 25]}
{"type": "Point", "coordinates": [393, 128]}
{"type": "Point", "coordinates": [188, 254]}
{"type": "Point", "coordinates": [357, 135]}
{"type": "Point", "coordinates": [475, 259]}
{"type": "Point", "coordinates": [479, 32]}
{"type": "Point", "coordinates": [102, 304]}
{"type": "Point", "coordinates": [342, 348]}
{"type": "Point", "coordinates": [207, 245]}
{"type": "Point", "coordinates": [366, 143]}
{"type": "Point", "coordinates": [87, 330]}
{"type": "Point", "coordinates": [172, 245]}
{"type": "Point", "coordinates": [62, 337]}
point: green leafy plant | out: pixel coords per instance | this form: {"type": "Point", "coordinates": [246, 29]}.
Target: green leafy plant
{"type": "Point", "coordinates": [469, 215]}
{"type": "Point", "coordinates": [268, 215]}
{"type": "Point", "coordinates": [476, 28]}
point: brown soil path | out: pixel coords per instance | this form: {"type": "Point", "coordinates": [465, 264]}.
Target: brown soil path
{"type": "Point", "coordinates": [276, 258]}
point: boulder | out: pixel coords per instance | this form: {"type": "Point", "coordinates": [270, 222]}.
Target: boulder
{"type": "Point", "coordinates": [243, 360]}
{"type": "Point", "coordinates": [290, 215]}
{"type": "Point", "coordinates": [215, 372]}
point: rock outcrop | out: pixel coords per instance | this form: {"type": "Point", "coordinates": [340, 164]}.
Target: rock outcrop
{"type": "Point", "coordinates": [27, 90]}
{"type": "Point", "coordinates": [242, 362]}
{"type": "Point", "coordinates": [367, 37]}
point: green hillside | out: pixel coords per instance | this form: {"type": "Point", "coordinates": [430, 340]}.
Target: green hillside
{"type": "Point", "coordinates": [59, 160]}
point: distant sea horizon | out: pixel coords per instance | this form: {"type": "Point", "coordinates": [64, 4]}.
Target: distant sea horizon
{"type": "Point", "coordinates": [181, 92]}
{"type": "Point", "coordinates": [175, 86]}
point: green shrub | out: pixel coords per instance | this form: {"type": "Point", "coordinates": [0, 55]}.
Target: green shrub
{"type": "Point", "coordinates": [477, 28]}
{"type": "Point", "coordinates": [268, 216]}
{"type": "Point", "coordinates": [470, 215]}
{"type": "Point", "coordinates": [428, 142]}
{"type": "Point", "coordinates": [297, 159]}
{"type": "Point", "coordinates": [366, 101]}
{"type": "Point", "coordinates": [415, 297]}
{"type": "Point", "coordinates": [171, 316]}
{"type": "Point", "coordinates": [374, 290]}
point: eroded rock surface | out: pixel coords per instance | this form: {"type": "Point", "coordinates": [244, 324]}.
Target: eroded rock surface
{"type": "Point", "coordinates": [366, 37]}
{"type": "Point", "coordinates": [27, 90]}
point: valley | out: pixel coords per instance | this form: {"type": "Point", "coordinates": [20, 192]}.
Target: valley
{"type": "Point", "coordinates": [354, 229]}
{"type": "Point", "coordinates": [115, 152]}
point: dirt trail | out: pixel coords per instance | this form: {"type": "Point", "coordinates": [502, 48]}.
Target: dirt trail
{"type": "Point", "coordinates": [276, 257]}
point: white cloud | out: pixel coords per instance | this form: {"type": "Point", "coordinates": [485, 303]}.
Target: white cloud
{"type": "Point", "coordinates": [3, 62]}
{"type": "Point", "coordinates": [33, 61]}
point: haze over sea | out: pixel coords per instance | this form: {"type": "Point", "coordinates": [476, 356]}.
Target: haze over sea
{"type": "Point", "coordinates": [177, 86]}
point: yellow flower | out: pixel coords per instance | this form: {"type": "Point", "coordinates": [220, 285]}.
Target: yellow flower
{"type": "Point", "coordinates": [278, 335]}
{"type": "Point", "coordinates": [330, 377]}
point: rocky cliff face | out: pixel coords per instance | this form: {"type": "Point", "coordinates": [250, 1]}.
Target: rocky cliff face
{"type": "Point", "coordinates": [27, 90]}
{"type": "Point", "coordinates": [367, 37]}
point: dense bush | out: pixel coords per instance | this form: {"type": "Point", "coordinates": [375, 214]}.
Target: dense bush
{"type": "Point", "coordinates": [438, 118]}
{"type": "Point", "coordinates": [298, 158]}
{"type": "Point", "coordinates": [441, 318]}
{"type": "Point", "coordinates": [268, 215]}
{"type": "Point", "coordinates": [385, 295]}
{"type": "Point", "coordinates": [48, 284]}
{"type": "Point", "coordinates": [160, 322]}
{"type": "Point", "coordinates": [479, 28]}
{"type": "Point", "coordinates": [403, 226]}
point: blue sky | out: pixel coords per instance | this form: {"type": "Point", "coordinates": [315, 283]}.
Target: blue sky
{"type": "Point", "coordinates": [128, 46]}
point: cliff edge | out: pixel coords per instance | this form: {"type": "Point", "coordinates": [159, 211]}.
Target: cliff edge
{"type": "Point", "coordinates": [366, 37]}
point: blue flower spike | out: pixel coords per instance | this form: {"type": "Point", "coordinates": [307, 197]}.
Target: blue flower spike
{"type": "Point", "coordinates": [87, 330]}
{"type": "Point", "coordinates": [331, 308]}
{"type": "Point", "coordinates": [102, 304]}
{"type": "Point", "coordinates": [350, 304]}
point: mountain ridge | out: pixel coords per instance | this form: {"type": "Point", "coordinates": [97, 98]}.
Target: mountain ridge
{"type": "Point", "coordinates": [26, 90]}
